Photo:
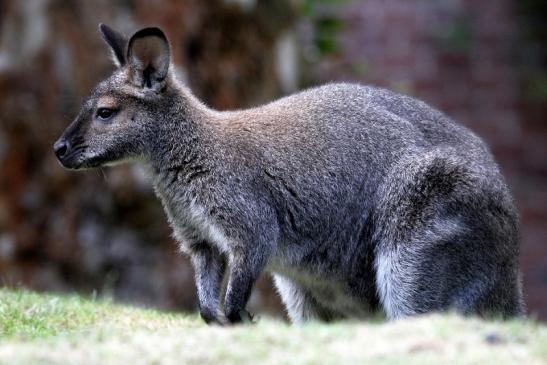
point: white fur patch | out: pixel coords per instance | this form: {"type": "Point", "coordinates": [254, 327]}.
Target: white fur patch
{"type": "Point", "coordinates": [384, 283]}
{"type": "Point", "coordinates": [211, 232]}
{"type": "Point", "coordinates": [188, 219]}
{"type": "Point", "coordinates": [393, 285]}
{"type": "Point", "coordinates": [293, 299]}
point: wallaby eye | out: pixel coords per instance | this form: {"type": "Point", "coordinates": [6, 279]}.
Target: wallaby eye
{"type": "Point", "coordinates": [105, 113]}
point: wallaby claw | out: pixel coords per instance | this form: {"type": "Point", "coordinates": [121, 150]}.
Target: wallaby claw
{"type": "Point", "coordinates": [241, 317]}
{"type": "Point", "coordinates": [247, 317]}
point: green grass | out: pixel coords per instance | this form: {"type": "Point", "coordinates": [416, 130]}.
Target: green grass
{"type": "Point", "coordinates": [52, 329]}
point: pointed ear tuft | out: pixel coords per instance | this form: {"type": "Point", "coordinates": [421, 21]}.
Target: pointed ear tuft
{"type": "Point", "coordinates": [117, 43]}
{"type": "Point", "coordinates": [149, 55]}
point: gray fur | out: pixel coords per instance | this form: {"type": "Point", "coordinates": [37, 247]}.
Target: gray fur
{"type": "Point", "coordinates": [355, 198]}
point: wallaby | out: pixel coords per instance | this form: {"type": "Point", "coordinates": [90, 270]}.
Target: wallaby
{"type": "Point", "coordinates": [357, 199]}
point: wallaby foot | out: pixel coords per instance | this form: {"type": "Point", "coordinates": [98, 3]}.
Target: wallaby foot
{"type": "Point", "coordinates": [209, 266]}
{"type": "Point", "coordinates": [242, 317]}
{"type": "Point", "coordinates": [433, 257]}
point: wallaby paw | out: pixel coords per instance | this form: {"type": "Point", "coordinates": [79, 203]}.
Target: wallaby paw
{"type": "Point", "coordinates": [214, 317]}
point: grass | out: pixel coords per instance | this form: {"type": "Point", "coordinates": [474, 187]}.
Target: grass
{"type": "Point", "coordinates": [52, 329]}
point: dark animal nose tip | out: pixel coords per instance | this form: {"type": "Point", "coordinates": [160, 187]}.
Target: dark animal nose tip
{"type": "Point", "coordinates": [60, 147]}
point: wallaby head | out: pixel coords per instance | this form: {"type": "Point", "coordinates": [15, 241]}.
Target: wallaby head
{"type": "Point", "coordinates": [122, 110]}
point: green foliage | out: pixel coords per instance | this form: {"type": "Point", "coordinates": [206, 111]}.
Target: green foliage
{"type": "Point", "coordinates": [459, 35]}
{"type": "Point", "coordinates": [309, 7]}
{"type": "Point", "coordinates": [456, 35]}
{"type": "Point", "coordinates": [327, 29]}
{"type": "Point", "coordinates": [326, 24]}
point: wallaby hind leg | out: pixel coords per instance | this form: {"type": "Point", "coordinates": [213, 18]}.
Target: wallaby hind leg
{"type": "Point", "coordinates": [446, 238]}
{"type": "Point", "coordinates": [449, 273]}
{"type": "Point", "coordinates": [301, 306]}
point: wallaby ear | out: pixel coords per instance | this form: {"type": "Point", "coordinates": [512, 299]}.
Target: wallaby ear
{"type": "Point", "coordinates": [148, 56]}
{"type": "Point", "coordinates": [117, 43]}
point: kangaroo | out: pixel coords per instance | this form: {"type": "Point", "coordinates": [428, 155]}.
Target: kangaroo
{"type": "Point", "coordinates": [355, 198]}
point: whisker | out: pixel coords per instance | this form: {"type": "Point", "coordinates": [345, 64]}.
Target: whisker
{"type": "Point", "coordinates": [79, 148]}
{"type": "Point", "coordinates": [104, 174]}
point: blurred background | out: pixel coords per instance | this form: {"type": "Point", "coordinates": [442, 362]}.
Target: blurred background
{"type": "Point", "coordinates": [103, 232]}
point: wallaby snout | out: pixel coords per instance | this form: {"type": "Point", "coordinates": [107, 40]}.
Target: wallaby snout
{"type": "Point", "coordinates": [118, 118]}
{"type": "Point", "coordinates": [60, 148]}
{"type": "Point", "coordinates": [69, 150]}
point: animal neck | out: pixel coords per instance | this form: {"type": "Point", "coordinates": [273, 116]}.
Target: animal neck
{"type": "Point", "coordinates": [184, 139]}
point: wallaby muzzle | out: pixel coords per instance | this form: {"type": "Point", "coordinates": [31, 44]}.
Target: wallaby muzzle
{"type": "Point", "coordinates": [66, 154]}
{"type": "Point", "coordinates": [69, 149]}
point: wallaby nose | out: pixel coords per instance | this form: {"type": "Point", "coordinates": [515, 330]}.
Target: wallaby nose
{"type": "Point", "coordinates": [60, 147]}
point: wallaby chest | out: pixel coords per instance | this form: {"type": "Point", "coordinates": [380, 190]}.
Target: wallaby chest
{"type": "Point", "coordinates": [189, 217]}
